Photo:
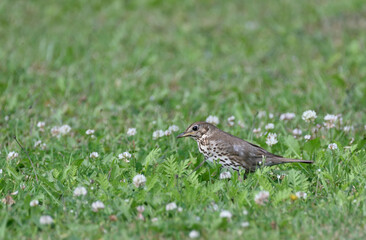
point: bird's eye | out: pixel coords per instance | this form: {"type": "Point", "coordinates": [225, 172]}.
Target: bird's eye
{"type": "Point", "coordinates": [195, 128]}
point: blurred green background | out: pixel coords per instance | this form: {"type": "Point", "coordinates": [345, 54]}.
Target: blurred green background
{"type": "Point", "coordinates": [181, 59]}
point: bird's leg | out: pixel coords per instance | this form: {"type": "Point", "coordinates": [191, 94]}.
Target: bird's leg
{"type": "Point", "coordinates": [245, 176]}
{"type": "Point", "coordinates": [200, 165]}
{"type": "Point", "coordinates": [215, 172]}
{"type": "Point", "coordinates": [240, 179]}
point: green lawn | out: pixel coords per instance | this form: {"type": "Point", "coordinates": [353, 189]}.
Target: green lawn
{"type": "Point", "coordinates": [150, 64]}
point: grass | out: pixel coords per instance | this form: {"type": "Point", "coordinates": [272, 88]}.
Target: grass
{"type": "Point", "coordinates": [142, 64]}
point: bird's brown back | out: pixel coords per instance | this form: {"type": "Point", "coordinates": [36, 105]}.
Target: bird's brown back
{"type": "Point", "coordinates": [246, 154]}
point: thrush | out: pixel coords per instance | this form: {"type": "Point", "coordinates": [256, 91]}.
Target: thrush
{"type": "Point", "coordinates": [230, 151]}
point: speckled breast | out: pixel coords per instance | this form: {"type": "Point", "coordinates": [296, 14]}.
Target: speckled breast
{"type": "Point", "coordinates": [213, 153]}
{"type": "Point", "coordinates": [209, 151]}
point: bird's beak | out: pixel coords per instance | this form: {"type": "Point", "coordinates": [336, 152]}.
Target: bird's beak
{"type": "Point", "coordinates": [184, 134]}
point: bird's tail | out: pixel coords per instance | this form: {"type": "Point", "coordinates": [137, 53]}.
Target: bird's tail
{"type": "Point", "coordinates": [270, 161]}
{"type": "Point", "coordinates": [290, 160]}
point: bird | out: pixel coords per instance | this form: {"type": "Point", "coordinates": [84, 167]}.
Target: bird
{"type": "Point", "coordinates": [231, 151]}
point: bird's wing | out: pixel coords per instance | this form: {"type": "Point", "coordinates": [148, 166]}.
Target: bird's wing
{"type": "Point", "coordinates": [248, 155]}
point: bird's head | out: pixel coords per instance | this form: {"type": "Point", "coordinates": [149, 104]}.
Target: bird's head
{"type": "Point", "coordinates": [198, 130]}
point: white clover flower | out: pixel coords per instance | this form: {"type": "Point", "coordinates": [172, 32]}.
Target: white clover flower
{"type": "Point", "coordinates": [45, 220]}
{"type": "Point", "coordinates": [139, 180]}
{"type": "Point", "coordinates": [270, 115]}
{"type": "Point", "coordinates": [244, 224]}
{"type": "Point", "coordinates": [307, 137]}
{"type": "Point", "coordinates": [60, 131]}
{"type": "Point", "coordinates": [65, 129]}
{"type": "Point", "coordinates": [12, 155]}
{"type": "Point", "coordinates": [340, 118]}
{"type": "Point", "coordinates": [34, 203]}
{"type": "Point", "coordinates": [214, 206]}
{"type": "Point", "coordinates": [231, 121]}
{"type": "Point", "coordinates": [329, 125]}
{"type": "Point", "coordinates": [225, 214]}
{"type": "Point", "coordinates": [40, 144]}
{"type": "Point", "coordinates": [245, 212]}
{"type": "Point", "coordinates": [140, 216]}
{"type": "Point", "coordinates": [154, 219]}
{"type": "Point", "coordinates": [225, 175]}
{"type": "Point", "coordinates": [348, 128]}
{"type": "Point", "coordinates": [6, 118]}
{"type": "Point", "coordinates": [269, 126]}
{"type": "Point", "coordinates": [330, 118]}
{"type": "Point", "coordinates": [167, 132]}
{"type": "Point", "coordinates": [194, 234]}
{"type": "Point", "coordinates": [158, 134]}
{"type": "Point", "coordinates": [37, 143]}
{"type": "Point", "coordinates": [97, 205]}
{"type": "Point", "coordinates": [173, 128]}
{"type": "Point", "coordinates": [301, 195]}
{"type": "Point", "coordinates": [287, 116]}
{"type": "Point", "coordinates": [271, 139]}
{"type": "Point", "coordinates": [124, 156]}
{"type": "Point", "coordinates": [89, 132]}
{"type": "Point", "coordinates": [261, 198]}
{"type": "Point", "coordinates": [94, 155]}
{"type": "Point", "coordinates": [55, 131]}
{"type": "Point", "coordinates": [140, 209]}
{"type": "Point", "coordinates": [309, 116]}
{"type": "Point", "coordinates": [297, 132]}
{"type": "Point", "coordinates": [330, 121]}
{"type": "Point", "coordinates": [1, 171]}
{"type": "Point", "coordinates": [171, 206]}
{"type": "Point", "coordinates": [41, 126]}
{"type": "Point", "coordinates": [180, 209]}
{"type": "Point", "coordinates": [262, 114]}
{"type": "Point", "coordinates": [131, 131]}
{"type": "Point", "coordinates": [161, 133]}
{"type": "Point", "coordinates": [213, 120]}
{"type": "Point", "coordinates": [332, 146]}
{"type": "Point", "coordinates": [8, 200]}
{"type": "Point", "coordinates": [257, 130]}
{"type": "Point", "coordinates": [14, 193]}
{"type": "Point", "coordinates": [80, 191]}
{"type": "Point", "coordinates": [241, 124]}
